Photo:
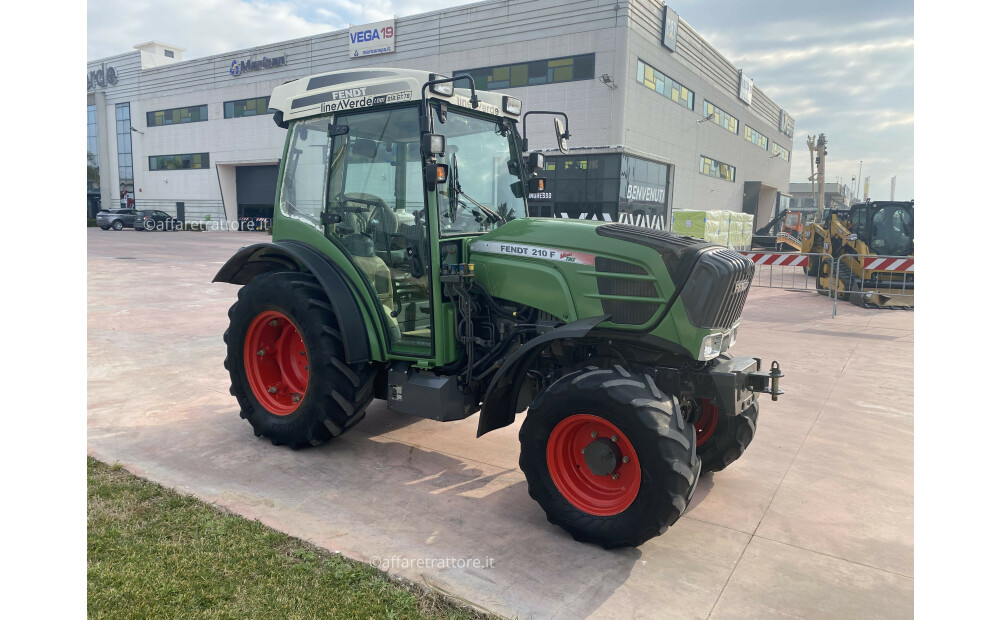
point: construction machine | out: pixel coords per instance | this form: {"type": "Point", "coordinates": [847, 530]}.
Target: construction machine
{"type": "Point", "coordinates": [404, 267]}
{"type": "Point", "coordinates": [871, 253]}
{"type": "Point", "coordinates": [783, 233]}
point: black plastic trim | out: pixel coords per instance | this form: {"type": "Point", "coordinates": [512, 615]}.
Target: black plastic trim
{"type": "Point", "coordinates": [253, 260]}
{"type": "Point", "coordinates": [500, 399]}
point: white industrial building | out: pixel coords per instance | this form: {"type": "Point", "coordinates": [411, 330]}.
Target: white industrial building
{"type": "Point", "coordinates": [659, 119]}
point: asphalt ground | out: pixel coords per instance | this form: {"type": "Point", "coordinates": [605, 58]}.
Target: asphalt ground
{"type": "Point", "coordinates": [814, 521]}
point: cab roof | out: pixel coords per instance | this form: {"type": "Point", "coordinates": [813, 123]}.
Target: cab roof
{"type": "Point", "coordinates": [354, 89]}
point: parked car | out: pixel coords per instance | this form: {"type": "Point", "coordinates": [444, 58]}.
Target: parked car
{"type": "Point", "coordinates": [156, 220]}
{"type": "Point", "coordinates": [116, 219]}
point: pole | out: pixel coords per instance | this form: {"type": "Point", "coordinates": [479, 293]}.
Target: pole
{"type": "Point", "coordinates": [860, 164]}
{"type": "Point", "coordinates": [821, 175]}
{"type": "Point", "coordinates": [811, 145]}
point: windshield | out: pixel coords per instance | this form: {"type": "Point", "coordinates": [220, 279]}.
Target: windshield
{"type": "Point", "coordinates": [892, 231]}
{"type": "Point", "coordinates": [483, 177]}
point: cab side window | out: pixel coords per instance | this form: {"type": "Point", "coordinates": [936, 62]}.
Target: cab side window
{"type": "Point", "coordinates": [305, 170]}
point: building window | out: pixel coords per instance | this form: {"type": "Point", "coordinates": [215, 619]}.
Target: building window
{"type": "Point", "coordinates": [246, 107]}
{"type": "Point", "coordinates": [550, 71]}
{"type": "Point", "coordinates": [717, 169]}
{"type": "Point", "coordinates": [780, 151]}
{"type": "Point", "coordinates": [168, 53]}
{"type": "Point", "coordinates": [176, 116]}
{"type": "Point", "coordinates": [752, 135]}
{"type": "Point", "coordinates": [123, 131]}
{"type": "Point", "coordinates": [654, 80]}
{"type": "Point", "coordinates": [188, 161]}
{"type": "Point", "coordinates": [720, 117]}
{"type": "Point", "coordinates": [93, 162]}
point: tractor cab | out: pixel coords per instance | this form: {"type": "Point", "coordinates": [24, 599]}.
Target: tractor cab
{"type": "Point", "coordinates": [886, 228]}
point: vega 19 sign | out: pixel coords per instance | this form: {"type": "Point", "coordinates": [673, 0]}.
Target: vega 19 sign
{"type": "Point", "coordinates": [371, 39]}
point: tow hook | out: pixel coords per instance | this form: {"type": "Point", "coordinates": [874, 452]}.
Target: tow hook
{"type": "Point", "coordinates": [766, 381]}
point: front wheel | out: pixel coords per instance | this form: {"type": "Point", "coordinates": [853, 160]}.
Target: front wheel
{"type": "Point", "coordinates": [609, 458]}
{"type": "Point", "coordinates": [285, 358]}
{"type": "Point", "coordinates": [117, 225]}
{"type": "Point", "coordinates": [723, 438]}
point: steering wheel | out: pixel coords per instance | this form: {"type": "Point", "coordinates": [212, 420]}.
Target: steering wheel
{"type": "Point", "coordinates": [381, 216]}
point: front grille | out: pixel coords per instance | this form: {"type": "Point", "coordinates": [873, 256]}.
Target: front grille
{"type": "Point", "coordinates": [717, 289]}
{"type": "Point", "coordinates": [714, 281]}
{"type": "Point", "coordinates": [625, 312]}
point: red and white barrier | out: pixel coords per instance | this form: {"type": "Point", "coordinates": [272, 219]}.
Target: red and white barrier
{"type": "Point", "coordinates": [782, 260]}
{"type": "Point", "coordinates": [888, 264]}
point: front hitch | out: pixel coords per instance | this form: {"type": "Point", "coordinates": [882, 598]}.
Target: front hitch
{"type": "Point", "coordinates": [766, 381]}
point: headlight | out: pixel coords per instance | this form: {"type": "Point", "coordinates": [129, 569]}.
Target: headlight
{"type": "Point", "coordinates": [512, 105]}
{"type": "Point", "coordinates": [729, 340]}
{"type": "Point", "coordinates": [711, 346]}
{"type": "Point", "coordinates": [445, 89]}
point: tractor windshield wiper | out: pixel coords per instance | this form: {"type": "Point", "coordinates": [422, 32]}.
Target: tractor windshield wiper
{"type": "Point", "coordinates": [492, 215]}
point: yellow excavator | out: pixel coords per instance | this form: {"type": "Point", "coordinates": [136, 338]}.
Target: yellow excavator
{"type": "Point", "coordinates": [879, 235]}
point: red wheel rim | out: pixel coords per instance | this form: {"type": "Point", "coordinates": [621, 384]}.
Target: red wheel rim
{"type": "Point", "coordinates": [704, 428]}
{"type": "Point", "coordinates": [276, 363]}
{"type": "Point", "coordinates": [599, 495]}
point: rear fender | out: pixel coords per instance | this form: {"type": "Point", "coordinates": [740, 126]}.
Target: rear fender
{"type": "Point", "coordinates": [254, 260]}
{"type": "Point", "coordinates": [500, 399]}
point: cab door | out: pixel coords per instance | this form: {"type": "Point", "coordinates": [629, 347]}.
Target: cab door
{"type": "Point", "coordinates": [375, 212]}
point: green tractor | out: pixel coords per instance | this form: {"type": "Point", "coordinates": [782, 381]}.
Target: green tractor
{"type": "Point", "coordinates": [403, 267]}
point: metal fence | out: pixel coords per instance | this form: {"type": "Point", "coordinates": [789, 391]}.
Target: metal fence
{"type": "Point", "coordinates": [874, 287]}
{"type": "Point", "coordinates": [785, 270]}
{"type": "Point", "coordinates": [884, 281]}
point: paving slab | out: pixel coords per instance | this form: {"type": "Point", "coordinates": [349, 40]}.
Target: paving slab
{"type": "Point", "coordinates": [816, 519]}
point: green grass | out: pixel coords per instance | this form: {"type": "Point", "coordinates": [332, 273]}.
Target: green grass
{"type": "Point", "coordinates": [153, 553]}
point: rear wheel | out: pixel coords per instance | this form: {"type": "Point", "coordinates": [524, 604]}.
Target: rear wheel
{"type": "Point", "coordinates": [285, 359]}
{"type": "Point", "coordinates": [723, 438]}
{"type": "Point", "coordinates": [609, 457]}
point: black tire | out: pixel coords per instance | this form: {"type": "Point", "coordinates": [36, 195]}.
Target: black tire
{"type": "Point", "coordinates": [104, 227]}
{"type": "Point", "coordinates": [812, 266]}
{"type": "Point", "coordinates": [650, 420]}
{"type": "Point", "coordinates": [729, 440]}
{"type": "Point", "coordinates": [117, 225]}
{"type": "Point", "coordinates": [149, 226]}
{"type": "Point", "coordinates": [336, 394]}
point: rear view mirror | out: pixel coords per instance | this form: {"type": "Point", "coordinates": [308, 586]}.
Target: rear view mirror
{"type": "Point", "coordinates": [562, 136]}
{"type": "Point", "coordinates": [364, 147]}
{"type": "Point", "coordinates": [338, 130]}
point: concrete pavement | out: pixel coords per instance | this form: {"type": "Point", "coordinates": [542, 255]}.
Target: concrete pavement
{"type": "Point", "coordinates": [816, 519]}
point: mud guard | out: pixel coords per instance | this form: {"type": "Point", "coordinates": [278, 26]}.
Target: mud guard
{"type": "Point", "coordinates": [501, 396]}
{"type": "Point", "coordinates": [253, 260]}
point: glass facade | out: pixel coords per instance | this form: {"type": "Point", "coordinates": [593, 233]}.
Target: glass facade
{"type": "Point", "coordinates": [93, 162]}
{"type": "Point", "coordinates": [610, 188]}
{"type": "Point", "coordinates": [720, 117]}
{"type": "Point", "coordinates": [549, 71]}
{"type": "Point", "coordinates": [176, 116]}
{"type": "Point", "coordinates": [186, 161]}
{"type": "Point", "coordinates": [717, 169]}
{"type": "Point", "coordinates": [123, 129]}
{"type": "Point", "coordinates": [654, 80]}
{"type": "Point", "coordinates": [754, 136]}
{"type": "Point", "coordinates": [246, 107]}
